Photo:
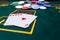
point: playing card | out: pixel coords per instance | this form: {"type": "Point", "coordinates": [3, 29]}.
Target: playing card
{"type": "Point", "coordinates": [20, 20]}
{"type": "Point", "coordinates": [11, 20]}
{"type": "Point", "coordinates": [25, 20]}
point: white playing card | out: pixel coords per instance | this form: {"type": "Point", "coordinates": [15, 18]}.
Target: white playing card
{"type": "Point", "coordinates": [11, 20]}
{"type": "Point", "coordinates": [25, 20]}
{"type": "Point", "coordinates": [20, 20]}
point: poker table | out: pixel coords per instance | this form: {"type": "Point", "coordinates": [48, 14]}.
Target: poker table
{"type": "Point", "coordinates": [46, 26]}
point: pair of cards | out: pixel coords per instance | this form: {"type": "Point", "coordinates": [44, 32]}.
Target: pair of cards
{"type": "Point", "coordinates": [21, 20]}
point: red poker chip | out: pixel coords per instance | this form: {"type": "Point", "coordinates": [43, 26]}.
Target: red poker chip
{"type": "Point", "coordinates": [26, 6]}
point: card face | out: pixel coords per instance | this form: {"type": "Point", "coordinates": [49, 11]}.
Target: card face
{"type": "Point", "coordinates": [20, 20]}
{"type": "Point", "coordinates": [11, 20]}
{"type": "Point", "coordinates": [25, 20]}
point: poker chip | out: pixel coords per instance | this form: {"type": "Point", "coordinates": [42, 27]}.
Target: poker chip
{"type": "Point", "coordinates": [26, 6]}
{"type": "Point", "coordinates": [42, 7]}
{"type": "Point", "coordinates": [14, 3]}
{"type": "Point", "coordinates": [43, 3]}
{"type": "Point", "coordinates": [35, 6]}
{"type": "Point", "coordinates": [19, 6]}
{"type": "Point", "coordinates": [21, 2]}
{"type": "Point", "coordinates": [47, 5]}
{"type": "Point", "coordinates": [34, 2]}
{"type": "Point", "coordinates": [40, 3]}
{"type": "Point", "coordinates": [46, 2]}
{"type": "Point", "coordinates": [41, 0]}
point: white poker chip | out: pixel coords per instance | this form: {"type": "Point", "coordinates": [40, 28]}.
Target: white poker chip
{"type": "Point", "coordinates": [27, 5]}
{"type": "Point", "coordinates": [35, 6]}
{"type": "Point", "coordinates": [41, 0]}
{"type": "Point", "coordinates": [19, 6]}
{"type": "Point", "coordinates": [21, 2]}
{"type": "Point", "coordinates": [46, 2]}
{"type": "Point", "coordinates": [42, 7]}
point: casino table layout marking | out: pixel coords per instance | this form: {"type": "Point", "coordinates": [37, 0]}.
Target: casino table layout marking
{"type": "Point", "coordinates": [4, 3]}
{"type": "Point", "coordinates": [2, 21]}
{"type": "Point", "coordinates": [19, 31]}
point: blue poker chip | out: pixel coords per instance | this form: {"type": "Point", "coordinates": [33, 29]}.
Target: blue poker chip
{"type": "Point", "coordinates": [40, 3]}
{"type": "Point", "coordinates": [35, 6]}
{"type": "Point", "coordinates": [47, 5]}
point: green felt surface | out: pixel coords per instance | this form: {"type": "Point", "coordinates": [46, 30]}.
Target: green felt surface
{"type": "Point", "coordinates": [46, 28]}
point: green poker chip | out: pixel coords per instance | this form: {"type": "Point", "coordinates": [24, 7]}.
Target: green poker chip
{"type": "Point", "coordinates": [14, 3]}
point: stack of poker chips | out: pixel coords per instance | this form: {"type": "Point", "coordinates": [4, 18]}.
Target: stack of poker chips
{"type": "Point", "coordinates": [43, 5]}
{"type": "Point", "coordinates": [33, 5]}
{"type": "Point", "coordinates": [23, 5]}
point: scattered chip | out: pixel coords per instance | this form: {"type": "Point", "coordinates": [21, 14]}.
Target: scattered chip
{"type": "Point", "coordinates": [19, 6]}
{"type": "Point", "coordinates": [46, 2]}
{"type": "Point", "coordinates": [21, 2]}
{"type": "Point", "coordinates": [14, 3]}
{"type": "Point", "coordinates": [41, 0]}
{"type": "Point", "coordinates": [42, 7]}
{"type": "Point", "coordinates": [40, 3]}
{"type": "Point", "coordinates": [27, 5]}
{"type": "Point", "coordinates": [47, 5]}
